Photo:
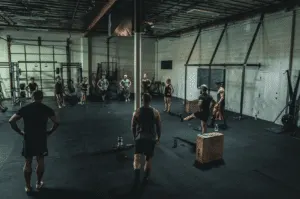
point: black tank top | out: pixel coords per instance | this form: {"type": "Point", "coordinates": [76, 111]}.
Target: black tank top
{"type": "Point", "coordinates": [168, 91]}
{"type": "Point", "coordinates": [206, 101]}
{"type": "Point", "coordinates": [84, 87]}
{"type": "Point", "coordinates": [32, 86]}
{"type": "Point", "coordinates": [146, 123]}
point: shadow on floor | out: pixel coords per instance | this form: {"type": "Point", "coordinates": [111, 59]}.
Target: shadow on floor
{"type": "Point", "coordinates": [51, 193]}
{"type": "Point", "coordinates": [191, 144]}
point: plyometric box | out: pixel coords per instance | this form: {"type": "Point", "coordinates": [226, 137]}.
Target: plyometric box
{"type": "Point", "coordinates": [192, 106]}
{"type": "Point", "coordinates": [210, 147]}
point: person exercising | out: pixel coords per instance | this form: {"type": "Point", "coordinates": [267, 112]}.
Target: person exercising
{"type": "Point", "coordinates": [125, 84]}
{"type": "Point", "coordinates": [146, 130]}
{"type": "Point", "coordinates": [146, 83]}
{"type": "Point", "coordinates": [32, 86]}
{"type": "Point", "coordinates": [206, 102]}
{"type": "Point", "coordinates": [59, 92]}
{"type": "Point", "coordinates": [84, 88]}
{"type": "Point", "coordinates": [219, 108]}
{"type": "Point", "coordinates": [35, 116]}
{"type": "Point", "coordinates": [103, 86]}
{"type": "Point", "coordinates": [169, 90]}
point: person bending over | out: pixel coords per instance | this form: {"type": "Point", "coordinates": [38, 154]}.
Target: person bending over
{"type": "Point", "coordinates": [146, 130]}
{"type": "Point", "coordinates": [32, 86]}
{"type": "Point", "coordinates": [59, 92]}
{"type": "Point", "coordinates": [219, 109]}
{"type": "Point", "coordinates": [103, 86]}
{"type": "Point", "coordinates": [35, 116]}
{"type": "Point", "coordinates": [125, 84]}
{"type": "Point", "coordinates": [146, 83]}
{"type": "Point", "coordinates": [84, 88]}
{"type": "Point", "coordinates": [168, 95]}
{"type": "Point", "coordinates": [205, 104]}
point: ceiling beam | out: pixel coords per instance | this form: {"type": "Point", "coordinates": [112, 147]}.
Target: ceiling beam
{"type": "Point", "coordinates": [233, 18]}
{"type": "Point", "coordinates": [102, 12]}
{"type": "Point", "coordinates": [48, 28]}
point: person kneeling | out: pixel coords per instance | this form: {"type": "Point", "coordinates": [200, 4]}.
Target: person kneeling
{"type": "Point", "coordinates": [205, 104]}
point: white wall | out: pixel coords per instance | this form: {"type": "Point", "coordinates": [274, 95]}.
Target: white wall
{"type": "Point", "coordinates": [18, 49]}
{"type": "Point", "coordinates": [265, 88]}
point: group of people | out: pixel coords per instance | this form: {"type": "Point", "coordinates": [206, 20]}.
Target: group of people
{"type": "Point", "coordinates": [145, 125]}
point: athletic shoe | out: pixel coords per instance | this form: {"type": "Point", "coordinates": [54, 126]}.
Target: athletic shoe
{"type": "Point", "coordinates": [38, 186]}
{"type": "Point", "coordinates": [59, 106]}
{"type": "Point", "coordinates": [28, 189]}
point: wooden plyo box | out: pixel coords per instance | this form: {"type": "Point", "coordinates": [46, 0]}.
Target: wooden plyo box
{"type": "Point", "coordinates": [209, 147]}
{"type": "Point", "coordinates": [191, 106]}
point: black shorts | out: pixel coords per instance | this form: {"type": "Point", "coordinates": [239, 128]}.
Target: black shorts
{"type": "Point", "coordinates": [38, 149]}
{"type": "Point", "coordinates": [202, 116]}
{"type": "Point", "coordinates": [58, 93]}
{"type": "Point", "coordinates": [103, 92]}
{"type": "Point", "coordinates": [144, 146]}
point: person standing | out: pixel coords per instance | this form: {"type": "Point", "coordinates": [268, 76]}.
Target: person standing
{"type": "Point", "coordinates": [146, 83]}
{"type": "Point", "coordinates": [146, 130]}
{"type": "Point", "coordinates": [103, 84]}
{"type": "Point", "coordinates": [125, 85]}
{"type": "Point", "coordinates": [35, 116]}
{"type": "Point", "coordinates": [32, 86]}
{"type": "Point", "coordinates": [59, 92]}
{"type": "Point", "coordinates": [169, 90]}
{"type": "Point", "coordinates": [219, 109]}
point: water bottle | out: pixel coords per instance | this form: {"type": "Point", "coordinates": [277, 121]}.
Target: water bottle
{"type": "Point", "coordinates": [120, 141]}
{"type": "Point", "coordinates": [216, 128]}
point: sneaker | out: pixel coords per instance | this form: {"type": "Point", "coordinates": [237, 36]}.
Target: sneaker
{"type": "Point", "coordinates": [38, 186]}
{"type": "Point", "coordinates": [28, 189]}
{"type": "Point", "coordinates": [59, 106]}
{"type": "Point", "coordinates": [126, 100]}
{"type": "Point", "coordinates": [63, 105]}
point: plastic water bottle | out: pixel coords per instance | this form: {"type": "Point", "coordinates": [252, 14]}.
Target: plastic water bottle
{"type": "Point", "coordinates": [120, 141]}
{"type": "Point", "coordinates": [216, 127]}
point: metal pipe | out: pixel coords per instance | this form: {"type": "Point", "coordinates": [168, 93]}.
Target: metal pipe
{"type": "Point", "coordinates": [40, 59]}
{"type": "Point", "coordinates": [245, 64]}
{"type": "Point", "coordinates": [291, 58]}
{"type": "Point", "coordinates": [46, 62]}
{"type": "Point", "coordinates": [11, 73]}
{"type": "Point", "coordinates": [213, 57]}
{"type": "Point", "coordinates": [108, 54]}
{"type": "Point", "coordinates": [20, 39]}
{"type": "Point", "coordinates": [53, 58]}
{"type": "Point", "coordinates": [25, 54]}
{"type": "Point", "coordinates": [186, 65]}
{"type": "Point", "coordinates": [74, 13]}
{"type": "Point", "coordinates": [225, 64]}
{"type": "Point", "coordinates": [138, 12]}
{"type": "Point", "coordinates": [102, 12]}
{"type": "Point", "coordinates": [68, 52]}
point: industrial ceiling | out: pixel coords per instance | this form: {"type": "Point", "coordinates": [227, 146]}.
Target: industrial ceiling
{"type": "Point", "coordinates": [162, 17]}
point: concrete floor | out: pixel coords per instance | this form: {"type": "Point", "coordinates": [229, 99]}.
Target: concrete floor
{"type": "Point", "coordinates": [258, 164]}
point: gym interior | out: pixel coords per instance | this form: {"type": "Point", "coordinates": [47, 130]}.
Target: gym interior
{"type": "Point", "coordinates": [252, 47]}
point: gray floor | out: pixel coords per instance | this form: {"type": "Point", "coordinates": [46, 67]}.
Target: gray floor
{"type": "Point", "coordinates": [258, 164]}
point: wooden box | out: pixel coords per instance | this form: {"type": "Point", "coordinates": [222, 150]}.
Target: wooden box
{"type": "Point", "coordinates": [209, 147]}
{"type": "Point", "coordinates": [191, 106]}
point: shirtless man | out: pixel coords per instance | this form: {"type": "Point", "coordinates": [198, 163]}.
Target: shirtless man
{"type": "Point", "coordinates": [125, 85]}
{"type": "Point", "coordinates": [103, 86]}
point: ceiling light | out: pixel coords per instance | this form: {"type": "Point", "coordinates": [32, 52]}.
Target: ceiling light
{"type": "Point", "coordinates": [37, 29]}
{"type": "Point", "coordinates": [203, 11]}
{"type": "Point", "coordinates": [31, 18]}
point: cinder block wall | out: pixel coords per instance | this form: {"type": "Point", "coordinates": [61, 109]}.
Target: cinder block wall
{"type": "Point", "coordinates": [265, 88]}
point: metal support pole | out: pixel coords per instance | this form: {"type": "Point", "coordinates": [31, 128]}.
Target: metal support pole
{"type": "Point", "coordinates": [108, 54]}
{"type": "Point", "coordinates": [186, 65]}
{"type": "Point", "coordinates": [225, 64]}
{"type": "Point", "coordinates": [213, 57]}
{"type": "Point", "coordinates": [137, 52]}
{"type": "Point", "coordinates": [245, 64]}
{"type": "Point", "coordinates": [17, 78]}
{"type": "Point", "coordinates": [291, 58]}
{"type": "Point", "coordinates": [54, 69]}
{"type": "Point", "coordinates": [26, 68]}
{"type": "Point", "coordinates": [90, 59]}
{"type": "Point", "coordinates": [40, 59]}
{"type": "Point", "coordinates": [11, 72]}
{"type": "Point", "coordinates": [68, 52]}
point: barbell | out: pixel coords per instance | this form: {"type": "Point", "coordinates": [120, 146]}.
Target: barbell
{"type": "Point", "coordinates": [20, 71]}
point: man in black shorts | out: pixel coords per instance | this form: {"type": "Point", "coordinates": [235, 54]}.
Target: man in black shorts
{"type": "Point", "coordinates": [206, 102]}
{"type": "Point", "coordinates": [32, 86]}
{"type": "Point", "coordinates": [146, 130]}
{"type": "Point", "coordinates": [35, 116]}
{"type": "Point", "coordinates": [59, 91]}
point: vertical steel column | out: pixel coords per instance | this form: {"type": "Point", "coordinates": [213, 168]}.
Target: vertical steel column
{"type": "Point", "coordinates": [26, 68]}
{"type": "Point", "coordinates": [54, 69]}
{"type": "Point", "coordinates": [245, 64]}
{"type": "Point", "coordinates": [11, 72]}
{"type": "Point", "coordinates": [186, 65]}
{"type": "Point", "coordinates": [90, 59]}
{"type": "Point", "coordinates": [138, 13]}
{"type": "Point", "coordinates": [68, 52]}
{"type": "Point", "coordinates": [108, 54]}
{"type": "Point", "coordinates": [213, 57]}
{"type": "Point", "coordinates": [40, 59]}
{"type": "Point", "coordinates": [291, 58]}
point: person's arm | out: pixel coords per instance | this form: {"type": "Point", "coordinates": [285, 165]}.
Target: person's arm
{"type": "Point", "coordinates": [212, 103]}
{"type": "Point", "coordinates": [221, 97]}
{"type": "Point", "coordinates": [129, 82]}
{"type": "Point", "coordinates": [121, 84]}
{"type": "Point", "coordinates": [55, 125]}
{"type": "Point", "coordinates": [172, 89]}
{"type": "Point", "coordinates": [134, 124]}
{"type": "Point", "coordinates": [158, 125]}
{"type": "Point", "coordinates": [37, 87]}
{"type": "Point", "coordinates": [13, 123]}
{"type": "Point", "coordinates": [200, 104]}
